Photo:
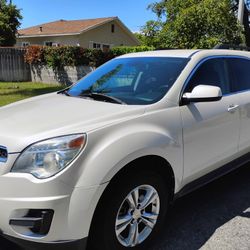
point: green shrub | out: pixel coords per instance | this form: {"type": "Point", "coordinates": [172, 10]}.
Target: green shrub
{"type": "Point", "coordinates": [118, 51]}
{"type": "Point", "coordinates": [57, 57]}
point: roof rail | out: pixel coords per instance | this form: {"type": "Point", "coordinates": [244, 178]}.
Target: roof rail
{"type": "Point", "coordinates": [232, 47]}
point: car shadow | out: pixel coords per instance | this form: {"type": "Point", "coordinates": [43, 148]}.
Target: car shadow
{"type": "Point", "coordinates": [194, 218]}
{"type": "Point", "coordinates": [6, 245]}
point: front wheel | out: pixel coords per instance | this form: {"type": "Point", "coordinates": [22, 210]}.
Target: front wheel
{"type": "Point", "coordinates": [131, 213]}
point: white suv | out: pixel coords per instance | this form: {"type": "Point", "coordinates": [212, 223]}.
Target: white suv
{"type": "Point", "coordinates": [103, 159]}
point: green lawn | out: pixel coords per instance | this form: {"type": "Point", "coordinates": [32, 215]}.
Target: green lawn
{"type": "Point", "coordinates": [12, 92]}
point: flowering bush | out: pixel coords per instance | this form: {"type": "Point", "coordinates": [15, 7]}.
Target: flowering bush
{"type": "Point", "coordinates": [57, 57]}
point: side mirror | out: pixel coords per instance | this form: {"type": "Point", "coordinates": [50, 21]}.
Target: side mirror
{"type": "Point", "coordinates": [203, 93]}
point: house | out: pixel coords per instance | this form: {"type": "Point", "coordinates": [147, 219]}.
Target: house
{"type": "Point", "coordinates": [99, 33]}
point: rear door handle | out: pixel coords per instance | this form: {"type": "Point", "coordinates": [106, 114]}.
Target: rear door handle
{"type": "Point", "coordinates": [232, 108]}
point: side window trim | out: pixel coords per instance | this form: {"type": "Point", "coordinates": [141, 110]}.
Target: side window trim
{"type": "Point", "coordinates": [197, 67]}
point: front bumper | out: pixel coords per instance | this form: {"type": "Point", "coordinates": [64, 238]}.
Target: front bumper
{"type": "Point", "coordinates": [72, 208]}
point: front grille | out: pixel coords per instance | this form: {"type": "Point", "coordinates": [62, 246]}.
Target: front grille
{"type": "Point", "coordinates": [3, 154]}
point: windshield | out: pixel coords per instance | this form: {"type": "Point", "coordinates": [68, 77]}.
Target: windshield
{"type": "Point", "coordinates": [134, 81]}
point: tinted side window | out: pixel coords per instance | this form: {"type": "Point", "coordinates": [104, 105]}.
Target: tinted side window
{"type": "Point", "coordinates": [212, 72]}
{"type": "Point", "coordinates": [240, 74]}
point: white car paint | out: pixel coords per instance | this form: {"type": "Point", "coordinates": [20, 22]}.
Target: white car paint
{"type": "Point", "coordinates": [210, 131]}
{"type": "Point", "coordinates": [244, 104]}
{"type": "Point", "coordinates": [195, 139]}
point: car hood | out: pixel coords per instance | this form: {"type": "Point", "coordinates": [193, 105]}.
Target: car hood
{"type": "Point", "coordinates": [51, 115]}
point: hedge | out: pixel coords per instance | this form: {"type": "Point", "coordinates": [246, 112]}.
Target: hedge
{"type": "Point", "coordinates": [57, 57]}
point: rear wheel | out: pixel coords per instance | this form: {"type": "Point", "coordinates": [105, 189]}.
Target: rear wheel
{"type": "Point", "coordinates": [131, 213]}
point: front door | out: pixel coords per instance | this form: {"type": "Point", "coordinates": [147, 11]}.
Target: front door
{"type": "Point", "coordinates": [210, 129]}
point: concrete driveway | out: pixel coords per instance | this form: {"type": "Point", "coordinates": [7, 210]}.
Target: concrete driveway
{"type": "Point", "coordinates": [216, 216]}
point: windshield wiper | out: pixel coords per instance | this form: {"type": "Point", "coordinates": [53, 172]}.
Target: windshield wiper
{"type": "Point", "coordinates": [64, 92]}
{"type": "Point", "coordinates": [102, 97]}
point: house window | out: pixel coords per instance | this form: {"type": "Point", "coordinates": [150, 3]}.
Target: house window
{"type": "Point", "coordinates": [25, 44]}
{"type": "Point", "coordinates": [101, 46]}
{"type": "Point", "coordinates": [96, 46]}
{"type": "Point", "coordinates": [105, 47]}
{"type": "Point", "coordinates": [48, 44]}
{"type": "Point", "coordinates": [112, 28]}
{"type": "Point", "coordinates": [55, 44]}
{"type": "Point", "coordinates": [51, 44]}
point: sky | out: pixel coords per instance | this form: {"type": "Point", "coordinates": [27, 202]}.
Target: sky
{"type": "Point", "coordinates": [133, 13]}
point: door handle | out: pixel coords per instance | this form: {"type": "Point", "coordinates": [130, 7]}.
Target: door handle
{"type": "Point", "coordinates": [232, 108]}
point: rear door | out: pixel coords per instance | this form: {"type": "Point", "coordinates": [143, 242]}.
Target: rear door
{"type": "Point", "coordinates": [210, 129]}
{"type": "Point", "coordinates": [240, 75]}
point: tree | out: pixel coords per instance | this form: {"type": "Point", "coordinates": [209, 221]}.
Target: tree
{"type": "Point", "coordinates": [246, 22]}
{"type": "Point", "coordinates": [197, 23]}
{"type": "Point", "coordinates": [10, 18]}
{"type": "Point", "coordinates": [150, 33]}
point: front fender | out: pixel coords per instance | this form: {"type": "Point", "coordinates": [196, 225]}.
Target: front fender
{"type": "Point", "coordinates": [112, 148]}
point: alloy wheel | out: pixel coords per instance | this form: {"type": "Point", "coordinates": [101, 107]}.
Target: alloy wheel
{"type": "Point", "coordinates": [137, 216]}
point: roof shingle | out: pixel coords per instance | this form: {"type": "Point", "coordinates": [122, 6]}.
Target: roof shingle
{"type": "Point", "coordinates": [64, 27]}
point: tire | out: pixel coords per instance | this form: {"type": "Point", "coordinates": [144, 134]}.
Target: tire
{"type": "Point", "coordinates": [118, 218]}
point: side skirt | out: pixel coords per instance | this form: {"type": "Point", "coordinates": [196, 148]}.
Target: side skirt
{"type": "Point", "coordinates": [229, 167]}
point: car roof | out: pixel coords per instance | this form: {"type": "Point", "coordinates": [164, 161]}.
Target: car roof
{"type": "Point", "coordinates": [188, 53]}
{"type": "Point", "coordinates": [162, 53]}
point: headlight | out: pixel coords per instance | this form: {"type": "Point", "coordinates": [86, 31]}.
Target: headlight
{"type": "Point", "coordinates": [46, 158]}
